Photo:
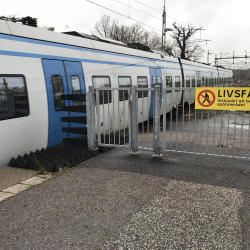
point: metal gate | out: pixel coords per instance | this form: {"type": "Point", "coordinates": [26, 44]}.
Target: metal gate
{"type": "Point", "coordinates": [123, 120]}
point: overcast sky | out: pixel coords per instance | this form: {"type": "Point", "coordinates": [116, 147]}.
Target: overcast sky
{"type": "Point", "coordinates": [226, 22]}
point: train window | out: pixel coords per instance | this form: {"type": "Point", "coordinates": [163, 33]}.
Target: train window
{"type": "Point", "coordinates": [153, 80]}
{"type": "Point", "coordinates": [76, 88]}
{"type": "Point", "coordinates": [142, 82]}
{"type": "Point", "coordinates": [125, 82]}
{"type": "Point", "coordinates": [57, 85]}
{"type": "Point", "coordinates": [193, 81]}
{"type": "Point", "coordinates": [206, 82]}
{"type": "Point", "coordinates": [187, 81]}
{"type": "Point", "coordinates": [13, 97]}
{"type": "Point", "coordinates": [159, 80]}
{"type": "Point", "coordinates": [209, 81]}
{"type": "Point", "coordinates": [177, 82]}
{"type": "Point", "coordinates": [169, 81]}
{"type": "Point", "coordinates": [103, 82]}
{"type": "Point", "coordinates": [202, 81]}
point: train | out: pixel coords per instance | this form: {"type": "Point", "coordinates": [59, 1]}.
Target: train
{"type": "Point", "coordinates": [38, 66]}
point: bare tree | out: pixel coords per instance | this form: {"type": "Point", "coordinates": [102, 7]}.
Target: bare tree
{"type": "Point", "coordinates": [183, 44]}
{"type": "Point", "coordinates": [153, 40]}
{"type": "Point", "coordinates": [48, 28]}
{"type": "Point", "coordinates": [134, 33]}
{"type": "Point", "coordinates": [102, 27]}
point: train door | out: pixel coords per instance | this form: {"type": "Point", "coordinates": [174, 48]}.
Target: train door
{"type": "Point", "coordinates": [212, 79]}
{"type": "Point", "coordinates": [155, 79]}
{"type": "Point", "coordinates": [198, 78]}
{"type": "Point", "coordinates": [62, 77]}
{"type": "Point", "coordinates": [223, 80]}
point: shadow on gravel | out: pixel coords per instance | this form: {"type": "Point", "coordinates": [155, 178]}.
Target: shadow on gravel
{"type": "Point", "coordinates": [87, 206]}
{"type": "Point", "coordinates": [229, 173]}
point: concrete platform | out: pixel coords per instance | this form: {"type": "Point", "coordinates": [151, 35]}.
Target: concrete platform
{"type": "Point", "coordinates": [118, 201]}
{"type": "Point", "coordinates": [10, 176]}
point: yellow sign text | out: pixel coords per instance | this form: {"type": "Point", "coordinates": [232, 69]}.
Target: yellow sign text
{"type": "Point", "coordinates": [230, 98]}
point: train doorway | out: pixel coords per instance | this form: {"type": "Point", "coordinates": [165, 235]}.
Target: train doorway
{"type": "Point", "coordinates": [155, 79]}
{"type": "Point", "coordinates": [63, 78]}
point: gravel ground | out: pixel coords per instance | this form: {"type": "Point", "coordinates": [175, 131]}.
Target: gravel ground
{"type": "Point", "coordinates": [115, 201]}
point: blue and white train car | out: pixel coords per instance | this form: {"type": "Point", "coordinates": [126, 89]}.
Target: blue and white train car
{"type": "Point", "coordinates": [38, 66]}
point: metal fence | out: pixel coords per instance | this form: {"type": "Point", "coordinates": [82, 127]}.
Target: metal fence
{"type": "Point", "coordinates": [165, 120]}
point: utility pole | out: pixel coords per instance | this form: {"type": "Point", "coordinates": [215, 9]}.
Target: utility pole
{"type": "Point", "coordinates": [164, 27]}
{"type": "Point", "coordinates": [208, 56]}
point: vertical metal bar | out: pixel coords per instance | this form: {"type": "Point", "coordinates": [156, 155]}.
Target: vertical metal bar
{"type": "Point", "coordinates": [129, 118]}
{"type": "Point", "coordinates": [214, 131]}
{"type": "Point", "coordinates": [108, 118]}
{"type": "Point", "coordinates": [137, 107]}
{"type": "Point", "coordinates": [201, 127]}
{"type": "Point", "coordinates": [171, 120]}
{"type": "Point", "coordinates": [248, 139]}
{"type": "Point", "coordinates": [124, 117]}
{"type": "Point", "coordinates": [194, 129]}
{"type": "Point", "coordinates": [176, 122]}
{"type": "Point", "coordinates": [164, 120]}
{"type": "Point", "coordinates": [148, 107]}
{"type": "Point", "coordinates": [119, 121]}
{"type": "Point", "coordinates": [221, 131]}
{"type": "Point", "coordinates": [98, 116]}
{"type": "Point", "coordinates": [153, 119]}
{"type": "Point", "coordinates": [234, 130]}
{"type": "Point", "coordinates": [103, 93]}
{"type": "Point", "coordinates": [207, 129]}
{"type": "Point", "coordinates": [189, 113]}
{"type": "Point", "coordinates": [113, 115]}
{"type": "Point", "coordinates": [91, 118]}
{"type": "Point", "coordinates": [142, 118]}
{"type": "Point", "coordinates": [183, 104]}
{"type": "Point", "coordinates": [157, 109]}
{"type": "Point", "coordinates": [227, 132]}
{"type": "Point", "coordinates": [242, 120]}
{"type": "Point", "coordinates": [134, 121]}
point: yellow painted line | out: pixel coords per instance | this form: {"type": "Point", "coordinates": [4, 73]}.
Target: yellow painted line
{"type": "Point", "coordinates": [24, 185]}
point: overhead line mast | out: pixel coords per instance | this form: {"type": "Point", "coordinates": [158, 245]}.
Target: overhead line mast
{"type": "Point", "coordinates": [164, 27]}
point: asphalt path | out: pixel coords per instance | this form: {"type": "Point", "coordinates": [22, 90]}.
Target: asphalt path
{"type": "Point", "coordinates": [118, 201]}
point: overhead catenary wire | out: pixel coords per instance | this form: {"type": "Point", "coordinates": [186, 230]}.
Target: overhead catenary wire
{"type": "Point", "coordinates": [215, 44]}
{"type": "Point", "coordinates": [159, 11]}
{"type": "Point", "coordinates": [140, 11]}
{"type": "Point", "coordinates": [124, 15]}
{"type": "Point", "coordinates": [206, 35]}
{"type": "Point", "coordinates": [137, 10]}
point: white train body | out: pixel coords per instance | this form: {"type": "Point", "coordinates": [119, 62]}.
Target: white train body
{"type": "Point", "coordinates": [32, 60]}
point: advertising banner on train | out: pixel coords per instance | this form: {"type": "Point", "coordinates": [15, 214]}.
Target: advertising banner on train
{"type": "Point", "coordinates": [222, 98]}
